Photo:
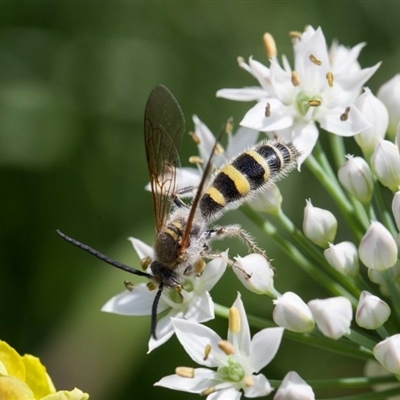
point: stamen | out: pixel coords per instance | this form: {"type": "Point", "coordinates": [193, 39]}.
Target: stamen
{"type": "Point", "coordinates": [241, 62]}
{"type": "Point", "coordinates": [145, 262]}
{"type": "Point", "coordinates": [248, 381]}
{"type": "Point", "coordinates": [151, 286]}
{"type": "Point", "coordinates": [208, 391]}
{"type": "Point", "coordinates": [207, 352]}
{"type": "Point", "coordinates": [185, 372]}
{"type": "Point", "coordinates": [218, 149]}
{"type": "Point", "coordinates": [129, 285]}
{"type": "Point", "coordinates": [314, 103]}
{"type": "Point", "coordinates": [329, 77]}
{"type": "Point", "coordinates": [295, 78]}
{"type": "Point", "coordinates": [226, 347]}
{"type": "Point", "coordinates": [195, 138]}
{"type": "Point", "coordinates": [268, 110]}
{"type": "Point", "coordinates": [234, 320]}
{"type": "Point", "coordinates": [315, 60]}
{"type": "Point", "coordinates": [229, 126]}
{"type": "Point", "coordinates": [295, 35]}
{"type": "Point", "coordinates": [345, 115]}
{"type": "Point", "coordinates": [270, 45]}
{"type": "Point", "coordinates": [196, 160]}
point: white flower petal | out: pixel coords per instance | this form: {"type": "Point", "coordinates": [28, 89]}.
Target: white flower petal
{"type": "Point", "coordinates": [246, 94]}
{"type": "Point", "coordinates": [225, 394]}
{"type": "Point", "coordinates": [304, 139]}
{"type": "Point", "coordinates": [195, 338]}
{"type": "Point", "coordinates": [280, 117]}
{"type": "Point", "coordinates": [206, 138]}
{"type": "Point", "coordinates": [202, 309]}
{"type": "Point", "coordinates": [164, 332]}
{"type": "Point", "coordinates": [241, 140]}
{"type": "Point", "coordinates": [139, 301]}
{"type": "Point", "coordinates": [261, 387]}
{"type": "Point", "coordinates": [241, 340]}
{"type": "Point", "coordinates": [264, 347]}
{"type": "Point", "coordinates": [142, 249]}
{"type": "Point", "coordinates": [293, 387]}
{"type": "Point", "coordinates": [211, 274]}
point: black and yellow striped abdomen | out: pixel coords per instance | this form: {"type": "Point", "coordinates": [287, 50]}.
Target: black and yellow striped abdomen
{"type": "Point", "coordinates": [252, 170]}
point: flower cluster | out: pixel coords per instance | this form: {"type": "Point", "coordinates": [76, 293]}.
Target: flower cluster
{"type": "Point", "coordinates": [359, 269]}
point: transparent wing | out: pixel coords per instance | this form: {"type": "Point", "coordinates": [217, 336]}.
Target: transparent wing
{"type": "Point", "coordinates": [164, 125]}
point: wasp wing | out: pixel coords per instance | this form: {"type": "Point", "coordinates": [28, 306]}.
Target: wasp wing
{"type": "Point", "coordinates": [164, 125]}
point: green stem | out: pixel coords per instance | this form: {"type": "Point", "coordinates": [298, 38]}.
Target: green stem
{"type": "Point", "coordinates": [338, 150]}
{"type": "Point", "coordinates": [381, 395]}
{"type": "Point", "coordinates": [384, 212]}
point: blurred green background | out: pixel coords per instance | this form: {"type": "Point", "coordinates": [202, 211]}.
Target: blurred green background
{"type": "Point", "coordinates": [74, 78]}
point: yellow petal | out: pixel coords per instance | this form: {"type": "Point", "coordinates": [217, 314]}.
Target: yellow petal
{"type": "Point", "coordinates": [11, 361]}
{"type": "Point", "coordinates": [36, 376]}
{"type": "Point", "coordinates": [12, 388]}
{"type": "Point", "coordinates": [75, 394]}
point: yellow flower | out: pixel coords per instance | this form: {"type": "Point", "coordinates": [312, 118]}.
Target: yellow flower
{"type": "Point", "coordinates": [25, 378]}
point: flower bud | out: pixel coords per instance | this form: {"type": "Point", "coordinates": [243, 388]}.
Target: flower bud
{"type": "Point", "coordinates": [386, 164]}
{"type": "Point", "coordinates": [268, 200]}
{"type": "Point", "coordinates": [372, 312]}
{"type": "Point", "coordinates": [256, 274]}
{"type": "Point", "coordinates": [292, 313]}
{"type": "Point", "coordinates": [332, 316]}
{"type": "Point", "coordinates": [377, 115]}
{"type": "Point", "coordinates": [319, 225]}
{"type": "Point", "coordinates": [378, 249]}
{"type": "Point", "coordinates": [356, 178]}
{"type": "Point", "coordinates": [294, 387]}
{"type": "Point", "coordinates": [387, 353]}
{"type": "Point", "coordinates": [389, 94]}
{"type": "Point", "coordinates": [343, 257]}
{"type": "Point", "coordinates": [396, 208]}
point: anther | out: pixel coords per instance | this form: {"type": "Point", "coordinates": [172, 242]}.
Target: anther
{"type": "Point", "coordinates": [207, 352]}
{"type": "Point", "coordinates": [196, 160]}
{"type": "Point", "coordinates": [185, 372]}
{"type": "Point", "coordinates": [129, 285]}
{"type": "Point", "coordinates": [314, 103]}
{"type": "Point", "coordinates": [218, 149]}
{"type": "Point", "coordinates": [145, 262]}
{"type": "Point", "coordinates": [208, 391]}
{"type": "Point", "coordinates": [234, 320]}
{"type": "Point", "coordinates": [270, 45]}
{"type": "Point", "coordinates": [329, 78]}
{"type": "Point", "coordinates": [226, 347]}
{"type": "Point", "coordinates": [195, 138]}
{"type": "Point", "coordinates": [295, 35]}
{"type": "Point", "coordinates": [345, 115]}
{"type": "Point", "coordinates": [229, 126]}
{"type": "Point", "coordinates": [151, 286]}
{"type": "Point", "coordinates": [248, 381]}
{"type": "Point", "coordinates": [240, 61]}
{"type": "Point", "coordinates": [295, 78]}
{"type": "Point", "coordinates": [268, 110]}
{"type": "Point", "coordinates": [315, 60]}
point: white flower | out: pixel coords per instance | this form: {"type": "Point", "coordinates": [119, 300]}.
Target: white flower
{"type": "Point", "coordinates": [319, 225]}
{"type": "Point", "coordinates": [356, 177]}
{"type": "Point", "coordinates": [237, 359]}
{"type": "Point", "coordinates": [318, 89]}
{"type": "Point", "coordinates": [293, 387]}
{"type": "Point", "coordinates": [193, 303]}
{"type": "Point", "coordinates": [343, 257]}
{"type": "Point", "coordinates": [386, 164]}
{"type": "Point", "coordinates": [387, 353]}
{"type": "Point", "coordinates": [372, 312]}
{"type": "Point", "coordinates": [377, 115]}
{"type": "Point", "coordinates": [256, 274]}
{"type": "Point", "coordinates": [396, 208]}
{"type": "Point", "coordinates": [332, 316]}
{"type": "Point", "coordinates": [292, 313]}
{"type": "Point", "coordinates": [389, 94]}
{"type": "Point", "coordinates": [378, 249]}
{"type": "Point", "coordinates": [268, 200]}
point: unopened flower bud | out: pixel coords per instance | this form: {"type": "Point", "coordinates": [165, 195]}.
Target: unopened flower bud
{"type": "Point", "coordinates": [377, 115]}
{"type": "Point", "coordinates": [256, 274]}
{"type": "Point", "coordinates": [332, 316]}
{"type": "Point", "coordinates": [386, 164]}
{"type": "Point", "coordinates": [343, 257]}
{"type": "Point", "coordinates": [372, 312]}
{"type": "Point", "coordinates": [268, 200]}
{"type": "Point", "coordinates": [294, 387]}
{"type": "Point", "coordinates": [389, 94]}
{"type": "Point", "coordinates": [292, 313]}
{"type": "Point", "coordinates": [396, 208]}
{"type": "Point", "coordinates": [387, 353]}
{"type": "Point", "coordinates": [319, 225]}
{"type": "Point", "coordinates": [356, 178]}
{"type": "Point", "coordinates": [378, 249]}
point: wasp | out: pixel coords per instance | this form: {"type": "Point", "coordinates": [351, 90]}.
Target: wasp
{"type": "Point", "coordinates": [183, 231]}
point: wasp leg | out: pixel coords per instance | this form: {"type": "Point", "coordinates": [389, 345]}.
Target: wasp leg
{"type": "Point", "coordinates": [234, 231]}
{"type": "Point", "coordinates": [231, 263]}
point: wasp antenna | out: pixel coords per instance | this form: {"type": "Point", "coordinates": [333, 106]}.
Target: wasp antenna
{"type": "Point", "coordinates": [154, 312]}
{"type": "Point", "coordinates": [103, 257]}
